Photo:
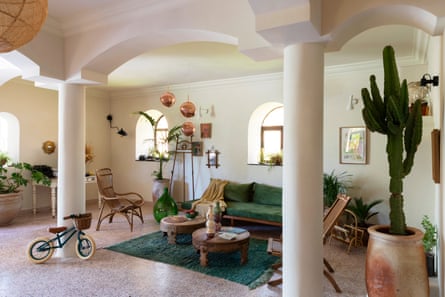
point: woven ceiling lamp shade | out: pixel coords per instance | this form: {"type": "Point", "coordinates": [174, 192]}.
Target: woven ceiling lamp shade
{"type": "Point", "coordinates": [20, 21]}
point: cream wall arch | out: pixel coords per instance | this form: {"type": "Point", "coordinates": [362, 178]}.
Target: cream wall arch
{"type": "Point", "coordinates": [387, 15]}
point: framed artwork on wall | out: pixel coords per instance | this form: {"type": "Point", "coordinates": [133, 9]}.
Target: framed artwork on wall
{"type": "Point", "coordinates": [206, 130]}
{"type": "Point", "coordinates": [197, 148]}
{"type": "Point", "coordinates": [353, 145]}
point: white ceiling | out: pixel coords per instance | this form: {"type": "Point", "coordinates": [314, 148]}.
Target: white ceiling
{"type": "Point", "coordinates": [200, 61]}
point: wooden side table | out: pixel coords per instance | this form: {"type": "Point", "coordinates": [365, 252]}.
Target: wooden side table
{"type": "Point", "coordinates": [53, 193]}
{"type": "Point", "coordinates": [174, 225]}
{"type": "Point", "coordinates": [217, 244]}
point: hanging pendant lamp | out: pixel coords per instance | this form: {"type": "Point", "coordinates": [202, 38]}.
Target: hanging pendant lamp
{"type": "Point", "coordinates": [20, 21]}
{"type": "Point", "coordinates": [168, 99]}
{"type": "Point", "coordinates": [188, 108]}
{"type": "Point", "coordinates": [188, 129]}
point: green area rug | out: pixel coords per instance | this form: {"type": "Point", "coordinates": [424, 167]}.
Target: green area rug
{"type": "Point", "coordinates": [154, 247]}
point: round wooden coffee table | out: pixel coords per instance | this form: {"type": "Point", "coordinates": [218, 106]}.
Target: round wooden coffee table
{"type": "Point", "coordinates": [217, 244]}
{"type": "Point", "coordinates": [173, 225]}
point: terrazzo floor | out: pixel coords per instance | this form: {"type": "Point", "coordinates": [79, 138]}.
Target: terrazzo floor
{"type": "Point", "coordinates": [113, 274]}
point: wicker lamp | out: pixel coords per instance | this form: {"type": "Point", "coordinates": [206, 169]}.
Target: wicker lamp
{"type": "Point", "coordinates": [20, 21]}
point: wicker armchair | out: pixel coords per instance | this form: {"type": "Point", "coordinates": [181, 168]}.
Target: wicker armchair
{"type": "Point", "coordinates": [126, 204]}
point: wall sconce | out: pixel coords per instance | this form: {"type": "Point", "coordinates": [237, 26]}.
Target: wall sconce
{"type": "Point", "coordinates": [212, 158]}
{"type": "Point", "coordinates": [203, 111]}
{"type": "Point", "coordinates": [351, 102]}
{"type": "Point", "coordinates": [49, 147]}
{"type": "Point", "coordinates": [426, 80]}
{"type": "Point", "coordinates": [120, 131]}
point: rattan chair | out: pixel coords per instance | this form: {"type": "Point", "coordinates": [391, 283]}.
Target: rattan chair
{"type": "Point", "coordinates": [127, 204]}
{"type": "Point", "coordinates": [274, 246]}
{"type": "Point", "coordinates": [347, 230]}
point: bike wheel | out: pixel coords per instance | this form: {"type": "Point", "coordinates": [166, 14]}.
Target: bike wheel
{"type": "Point", "coordinates": [40, 250]}
{"type": "Point", "coordinates": [86, 247]}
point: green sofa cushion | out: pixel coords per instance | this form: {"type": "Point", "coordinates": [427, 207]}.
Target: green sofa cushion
{"type": "Point", "coordinates": [255, 211]}
{"type": "Point", "coordinates": [238, 192]}
{"type": "Point", "coordinates": [265, 194]}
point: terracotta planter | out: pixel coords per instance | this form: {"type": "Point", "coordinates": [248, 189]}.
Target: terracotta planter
{"type": "Point", "coordinates": [158, 188]}
{"type": "Point", "coordinates": [395, 264]}
{"type": "Point", "coordinates": [10, 205]}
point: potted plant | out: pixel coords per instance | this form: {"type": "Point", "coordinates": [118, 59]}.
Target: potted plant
{"type": "Point", "coordinates": [363, 212]}
{"type": "Point", "coordinates": [174, 133]}
{"type": "Point", "coordinates": [334, 184]}
{"type": "Point", "coordinates": [388, 272]}
{"type": "Point", "coordinates": [12, 178]}
{"type": "Point", "coordinates": [429, 241]}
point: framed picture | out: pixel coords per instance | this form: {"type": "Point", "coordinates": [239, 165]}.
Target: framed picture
{"type": "Point", "coordinates": [353, 145]}
{"type": "Point", "coordinates": [197, 148]}
{"type": "Point", "coordinates": [206, 130]}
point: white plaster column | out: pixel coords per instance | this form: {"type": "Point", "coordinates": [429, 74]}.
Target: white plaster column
{"type": "Point", "coordinates": [303, 170]}
{"type": "Point", "coordinates": [71, 156]}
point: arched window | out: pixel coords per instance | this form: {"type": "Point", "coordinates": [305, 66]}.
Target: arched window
{"type": "Point", "coordinates": [272, 137]}
{"type": "Point", "coordinates": [9, 136]}
{"type": "Point", "coordinates": [150, 139]}
{"type": "Point", "coordinates": [265, 134]}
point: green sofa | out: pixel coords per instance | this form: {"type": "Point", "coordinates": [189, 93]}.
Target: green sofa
{"type": "Point", "coordinates": [252, 202]}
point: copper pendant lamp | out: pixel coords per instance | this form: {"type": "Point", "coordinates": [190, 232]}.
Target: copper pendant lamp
{"type": "Point", "coordinates": [188, 109]}
{"type": "Point", "coordinates": [188, 129]}
{"type": "Point", "coordinates": [168, 99]}
{"type": "Point", "coordinates": [20, 21]}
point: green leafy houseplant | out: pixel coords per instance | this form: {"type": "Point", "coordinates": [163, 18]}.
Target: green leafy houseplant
{"type": "Point", "coordinates": [363, 210]}
{"type": "Point", "coordinates": [172, 134]}
{"type": "Point", "coordinates": [430, 235]}
{"type": "Point", "coordinates": [390, 115]}
{"type": "Point", "coordinates": [12, 177]}
{"type": "Point", "coordinates": [333, 184]}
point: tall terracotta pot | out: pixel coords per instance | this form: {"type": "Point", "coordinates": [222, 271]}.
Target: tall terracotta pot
{"type": "Point", "coordinates": [395, 264]}
{"type": "Point", "coordinates": [158, 188]}
{"type": "Point", "coordinates": [10, 205]}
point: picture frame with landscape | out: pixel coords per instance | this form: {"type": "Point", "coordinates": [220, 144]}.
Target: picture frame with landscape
{"type": "Point", "coordinates": [353, 145]}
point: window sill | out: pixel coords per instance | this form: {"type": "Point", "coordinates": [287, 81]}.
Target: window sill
{"type": "Point", "coordinates": [264, 164]}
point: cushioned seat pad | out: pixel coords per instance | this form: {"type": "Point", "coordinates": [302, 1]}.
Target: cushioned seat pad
{"type": "Point", "coordinates": [254, 211]}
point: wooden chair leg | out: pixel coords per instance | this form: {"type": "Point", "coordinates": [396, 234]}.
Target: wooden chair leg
{"type": "Point", "coordinates": [328, 266]}
{"type": "Point", "coordinates": [275, 282]}
{"type": "Point", "coordinates": [332, 281]}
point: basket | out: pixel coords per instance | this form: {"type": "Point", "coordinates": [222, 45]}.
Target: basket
{"type": "Point", "coordinates": [82, 221]}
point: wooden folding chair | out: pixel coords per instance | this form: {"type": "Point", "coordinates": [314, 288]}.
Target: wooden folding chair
{"type": "Point", "coordinates": [329, 222]}
{"type": "Point", "coordinates": [274, 248]}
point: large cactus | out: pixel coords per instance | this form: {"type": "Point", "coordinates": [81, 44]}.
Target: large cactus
{"type": "Point", "coordinates": [392, 116]}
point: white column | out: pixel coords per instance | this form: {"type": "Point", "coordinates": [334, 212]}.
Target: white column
{"type": "Point", "coordinates": [303, 170]}
{"type": "Point", "coordinates": [71, 156]}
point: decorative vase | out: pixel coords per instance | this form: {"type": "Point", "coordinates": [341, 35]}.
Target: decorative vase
{"type": "Point", "coordinates": [217, 216]}
{"type": "Point", "coordinates": [164, 207]}
{"type": "Point", "coordinates": [210, 223]}
{"type": "Point", "coordinates": [158, 188]}
{"type": "Point", "coordinates": [10, 205]}
{"type": "Point", "coordinates": [395, 264]}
